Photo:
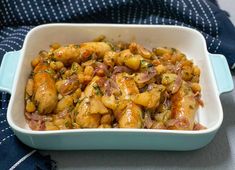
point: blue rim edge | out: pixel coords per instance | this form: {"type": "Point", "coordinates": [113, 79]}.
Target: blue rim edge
{"type": "Point", "coordinates": [7, 70]}
{"type": "Point", "coordinates": [222, 73]}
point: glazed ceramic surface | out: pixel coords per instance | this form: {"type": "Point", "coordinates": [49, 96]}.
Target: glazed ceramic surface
{"type": "Point", "coordinates": [215, 79]}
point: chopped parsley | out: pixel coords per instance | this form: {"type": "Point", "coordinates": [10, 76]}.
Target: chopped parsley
{"type": "Point", "coordinates": [49, 71]}
{"type": "Point", "coordinates": [97, 90]}
{"type": "Point", "coordinates": [145, 64]}
{"type": "Point", "coordinates": [74, 67]}
{"type": "Point", "coordinates": [75, 112]}
{"type": "Point", "coordinates": [191, 107]}
{"type": "Point", "coordinates": [66, 124]}
{"type": "Point", "coordinates": [76, 45]}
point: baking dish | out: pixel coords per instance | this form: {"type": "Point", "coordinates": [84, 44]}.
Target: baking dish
{"type": "Point", "coordinates": [215, 79]}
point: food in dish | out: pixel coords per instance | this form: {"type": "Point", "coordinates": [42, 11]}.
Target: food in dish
{"type": "Point", "coordinates": [100, 84]}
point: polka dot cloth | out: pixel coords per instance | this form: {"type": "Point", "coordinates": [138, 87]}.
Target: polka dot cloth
{"type": "Point", "coordinates": [19, 16]}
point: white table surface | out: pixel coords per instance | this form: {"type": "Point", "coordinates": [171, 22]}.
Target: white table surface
{"type": "Point", "coordinates": [218, 155]}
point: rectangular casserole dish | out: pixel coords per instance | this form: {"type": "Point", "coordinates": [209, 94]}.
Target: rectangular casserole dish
{"type": "Point", "coordinates": [215, 79]}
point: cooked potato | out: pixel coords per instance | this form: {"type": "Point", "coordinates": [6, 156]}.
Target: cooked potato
{"type": "Point", "coordinates": [106, 119]}
{"type": "Point", "coordinates": [109, 102]}
{"type": "Point", "coordinates": [131, 117]}
{"type": "Point", "coordinates": [29, 87]}
{"type": "Point", "coordinates": [66, 87]}
{"type": "Point", "coordinates": [162, 50]}
{"type": "Point", "coordinates": [97, 107]}
{"type": "Point", "coordinates": [168, 78]}
{"type": "Point", "coordinates": [64, 103]}
{"type": "Point", "coordinates": [110, 58]}
{"type": "Point", "coordinates": [133, 62]}
{"type": "Point", "coordinates": [84, 119]}
{"type": "Point", "coordinates": [148, 99]}
{"type": "Point", "coordinates": [122, 56]}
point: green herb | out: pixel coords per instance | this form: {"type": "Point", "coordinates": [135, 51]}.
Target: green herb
{"type": "Point", "coordinates": [49, 71]}
{"type": "Point", "coordinates": [32, 74]}
{"type": "Point", "coordinates": [111, 46]}
{"type": "Point", "coordinates": [191, 107]}
{"type": "Point", "coordinates": [97, 90]}
{"type": "Point", "coordinates": [66, 124]}
{"type": "Point", "coordinates": [173, 50]}
{"type": "Point", "coordinates": [52, 56]}
{"type": "Point", "coordinates": [89, 58]}
{"type": "Point", "coordinates": [76, 45]}
{"type": "Point", "coordinates": [80, 100]}
{"type": "Point", "coordinates": [75, 112]}
{"type": "Point", "coordinates": [150, 65]}
{"type": "Point", "coordinates": [74, 67]}
{"type": "Point", "coordinates": [145, 64]}
{"type": "Point", "coordinates": [70, 108]}
{"type": "Point", "coordinates": [62, 71]}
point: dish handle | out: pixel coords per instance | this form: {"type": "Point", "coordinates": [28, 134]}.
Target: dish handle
{"type": "Point", "coordinates": [8, 69]}
{"type": "Point", "coordinates": [222, 73]}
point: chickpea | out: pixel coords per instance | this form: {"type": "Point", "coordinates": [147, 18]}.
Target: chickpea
{"type": "Point", "coordinates": [87, 79]}
{"type": "Point", "coordinates": [36, 61]}
{"type": "Point", "coordinates": [195, 87]}
{"type": "Point", "coordinates": [68, 73]}
{"type": "Point", "coordinates": [187, 63]}
{"type": "Point", "coordinates": [59, 65]}
{"type": "Point", "coordinates": [179, 56]}
{"type": "Point", "coordinates": [29, 87]}
{"type": "Point", "coordinates": [55, 46]}
{"type": "Point", "coordinates": [81, 78]}
{"type": "Point", "coordinates": [106, 119]}
{"type": "Point", "coordinates": [89, 70]}
{"type": "Point", "coordinates": [100, 73]}
{"type": "Point", "coordinates": [30, 107]}
{"type": "Point", "coordinates": [195, 79]}
{"type": "Point", "coordinates": [187, 73]}
{"type": "Point", "coordinates": [161, 51]}
{"type": "Point", "coordinates": [196, 71]}
{"type": "Point", "coordinates": [53, 65]}
{"type": "Point", "coordinates": [160, 69]}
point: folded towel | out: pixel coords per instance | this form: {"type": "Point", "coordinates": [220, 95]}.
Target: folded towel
{"type": "Point", "coordinates": [18, 17]}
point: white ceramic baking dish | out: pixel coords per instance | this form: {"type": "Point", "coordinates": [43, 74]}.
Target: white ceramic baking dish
{"type": "Point", "coordinates": [215, 79]}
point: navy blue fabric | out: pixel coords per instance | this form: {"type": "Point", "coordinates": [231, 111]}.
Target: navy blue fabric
{"type": "Point", "coordinates": [18, 17]}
